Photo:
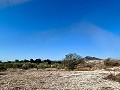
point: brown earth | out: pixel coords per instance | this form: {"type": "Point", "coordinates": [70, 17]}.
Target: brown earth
{"type": "Point", "coordinates": [56, 80]}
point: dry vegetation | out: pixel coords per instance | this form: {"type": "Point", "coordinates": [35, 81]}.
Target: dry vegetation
{"type": "Point", "coordinates": [54, 79]}
{"type": "Point", "coordinates": [71, 74]}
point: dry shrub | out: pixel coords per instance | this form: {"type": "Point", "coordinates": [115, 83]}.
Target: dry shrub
{"type": "Point", "coordinates": [106, 88]}
{"type": "Point", "coordinates": [112, 63]}
{"type": "Point", "coordinates": [113, 77]}
{"type": "Point", "coordinates": [2, 73]}
{"type": "Point", "coordinates": [112, 69]}
{"type": "Point", "coordinates": [118, 77]}
{"type": "Point", "coordinates": [85, 67]}
{"type": "Point", "coordinates": [110, 77]}
{"type": "Point", "coordinates": [72, 64]}
{"type": "Point", "coordinates": [3, 69]}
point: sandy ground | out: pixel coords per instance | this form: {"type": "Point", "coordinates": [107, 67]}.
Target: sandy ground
{"type": "Point", "coordinates": [56, 80]}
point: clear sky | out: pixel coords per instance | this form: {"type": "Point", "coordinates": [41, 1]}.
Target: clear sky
{"type": "Point", "coordinates": [53, 28]}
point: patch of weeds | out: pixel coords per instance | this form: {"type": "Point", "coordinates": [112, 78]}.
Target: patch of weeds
{"type": "Point", "coordinates": [2, 73]}
{"type": "Point", "coordinates": [113, 77]}
{"type": "Point", "coordinates": [106, 88]}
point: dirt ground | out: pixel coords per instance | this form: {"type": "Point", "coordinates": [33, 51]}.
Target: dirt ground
{"type": "Point", "coordinates": [56, 80]}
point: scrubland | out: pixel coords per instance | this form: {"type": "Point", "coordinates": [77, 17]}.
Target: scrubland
{"type": "Point", "coordinates": [71, 74]}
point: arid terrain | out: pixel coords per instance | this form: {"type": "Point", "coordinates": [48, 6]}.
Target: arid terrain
{"type": "Point", "coordinates": [56, 80]}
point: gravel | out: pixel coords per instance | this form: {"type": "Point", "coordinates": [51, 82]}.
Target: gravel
{"type": "Point", "coordinates": [56, 80]}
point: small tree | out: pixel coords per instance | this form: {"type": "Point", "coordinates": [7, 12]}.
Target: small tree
{"type": "Point", "coordinates": [17, 61]}
{"type": "Point", "coordinates": [32, 61]}
{"type": "Point", "coordinates": [25, 61]}
{"type": "Point", "coordinates": [72, 60]}
{"type": "Point", "coordinates": [72, 56]}
{"type": "Point", "coordinates": [48, 61]}
{"type": "Point", "coordinates": [38, 61]}
{"type": "Point", "coordinates": [91, 58]}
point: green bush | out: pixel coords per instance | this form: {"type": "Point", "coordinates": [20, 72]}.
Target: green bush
{"type": "Point", "coordinates": [28, 66]}
{"type": "Point", "coordinates": [8, 65]}
{"type": "Point", "coordinates": [17, 65]}
{"type": "Point", "coordinates": [72, 60]}
{"type": "Point", "coordinates": [2, 67]}
{"type": "Point", "coordinates": [71, 64]}
{"type": "Point", "coordinates": [11, 65]}
{"type": "Point", "coordinates": [58, 66]}
{"type": "Point", "coordinates": [43, 66]}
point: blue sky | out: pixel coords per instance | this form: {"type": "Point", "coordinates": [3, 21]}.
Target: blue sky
{"type": "Point", "coordinates": [53, 28]}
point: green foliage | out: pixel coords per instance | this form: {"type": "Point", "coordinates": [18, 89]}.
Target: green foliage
{"type": "Point", "coordinates": [28, 65]}
{"type": "Point", "coordinates": [58, 66]}
{"type": "Point", "coordinates": [25, 61]}
{"type": "Point", "coordinates": [17, 61]}
{"type": "Point", "coordinates": [72, 56]}
{"type": "Point", "coordinates": [43, 66]}
{"type": "Point", "coordinates": [2, 67]}
{"type": "Point", "coordinates": [72, 60]}
{"type": "Point", "coordinates": [9, 65]}
{"type": "Point", "coordinates": [47, 61]}
{"type": "Point", "coordinates": [17, 65]}
{"type": "Point", "coordinates": [25, 66]}
{"type": "Point", "coordinates": [32, 61]}
{"type": "Point", "coordinates": [71, 65]}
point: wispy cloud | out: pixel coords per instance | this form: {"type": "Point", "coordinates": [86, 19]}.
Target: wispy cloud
{"type": "Point", "coordinates": [106, 42]}
{"type": "Point", "coordinates": [6, 3]}
{"type": "Point", "coordinates": [100, 36]}
{"type": "Point", "coordinates": [92, 38]}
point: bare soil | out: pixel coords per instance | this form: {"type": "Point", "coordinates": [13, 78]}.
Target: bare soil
{"type": "Point", "coordinates": [56, 80]}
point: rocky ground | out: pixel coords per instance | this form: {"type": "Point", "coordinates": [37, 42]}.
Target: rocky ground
{"type": "Point", "coordinates": [56, 80]}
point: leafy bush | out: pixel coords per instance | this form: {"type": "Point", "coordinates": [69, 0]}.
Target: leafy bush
{"type": "Point", "coordinates": [2, 67]}
{"type": "Point", "coordinates": [48, 61]}
{"type": "Point", "coordinates": [58, 66]}
{"type": "Point", "coordinates": [43, 66]}
{"type": "Point", "coordinates": [71, 64]}
{"type": "Point", "coordinates": [25, 66]}
{"type": "Point", "coordinates": [72, 60]}
{"type": "Point", "coordinates": [28, 65]}
{"type": "Point", "coordinates": [17, 65]}
{"type": "Point", "coordinates": [8, 65]}
{"type": "Point", "coordinates": [72, 56]}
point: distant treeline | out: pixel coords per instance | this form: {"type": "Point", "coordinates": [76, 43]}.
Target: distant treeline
{"type": "Point", "coordinates": [37, 61]}
{"type": "Point", "coordinates": [48, 60]}
{"type": "Point", "coordinates": [70, 62]}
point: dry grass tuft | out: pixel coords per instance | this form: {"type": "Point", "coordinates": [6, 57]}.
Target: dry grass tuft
{"type": "Point", "coordinates": [113, 77]}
